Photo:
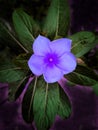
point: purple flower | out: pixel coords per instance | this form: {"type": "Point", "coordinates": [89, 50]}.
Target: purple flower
{"type": "Point", "coordinates": [53, 59]}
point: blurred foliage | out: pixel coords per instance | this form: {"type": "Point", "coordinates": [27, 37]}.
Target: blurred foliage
{"type": "Point", "coordinates": [31, 6]}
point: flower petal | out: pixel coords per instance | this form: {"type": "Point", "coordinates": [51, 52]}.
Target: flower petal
{"type": "Point", "coordinates": [52, 74]}
{"type": "Point", "coordinates": [35, 64]}
{"type": "Point", "coordinates": [61, 46]}
{"type": "Point", "coordinates": [67, 62]}
{"type": "Point", "coordinates": [41, 45]}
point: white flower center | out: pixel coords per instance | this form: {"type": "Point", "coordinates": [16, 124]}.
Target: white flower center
{"type": "Point", "coordinates": [50, 59]}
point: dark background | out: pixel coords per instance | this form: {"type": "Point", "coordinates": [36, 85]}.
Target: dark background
{"type": "Point", "coordinates": [84, 12]}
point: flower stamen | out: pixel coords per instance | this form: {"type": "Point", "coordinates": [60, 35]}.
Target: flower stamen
{"type": "Point", "coordinates": [50, 59]}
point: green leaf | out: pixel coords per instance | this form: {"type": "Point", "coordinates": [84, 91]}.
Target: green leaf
{"type": "Point", "coordinates": [58, 19]}
{"type": "Point", "coordinates": [25, 27]}
{"type": "Point", "coordinates": [5, 34]}
{"type": "Point", "coordinates": [16, 88]}
{"type": "Point", "coordinates": [21, 60]}
{"type": "Point", "coordinates": [7, 37]}
{"type": "Point", "coordinates": [64, 105]}
{"type": "Point", "coordinates": [20, 87]}
{"type": "Point", "coordinates": [9, 72]}
{"type": "Point", "coordinates": [83, 76]}
{"type": "Point", "coordinates": [27, 104]}
{"type": "Point", "coordinates": [95, 88]}
{"type": "Point", "coordinates": [45, 105]}
{"type": "Point", "coordinates": [82, 42]}
{"type": "Point", "coordinates": [48, 101]}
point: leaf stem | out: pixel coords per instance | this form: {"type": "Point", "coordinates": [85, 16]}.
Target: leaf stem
{"type": "Point", "coordinates": [57, 28]}
{"type": "Point", "coordinates": [77, 43]}
{"type": "Point", "coordinates": [33, 92]}
{"type": "Point", "coordinates": [46, 96]}
{"type": "Point", "coordinates": [17, 41]}
{"type": "Point", "coordinates": [21, 82]}
{"type": "Point", "coordinates": [16, 68]}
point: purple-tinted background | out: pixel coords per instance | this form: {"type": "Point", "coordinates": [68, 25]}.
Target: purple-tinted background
{"type": "Point", "coordinates": [84, 111]}
{"type": "Point", "coordinates": [10, 112]}
{"type": "Point", "coordinates": [84, 102]}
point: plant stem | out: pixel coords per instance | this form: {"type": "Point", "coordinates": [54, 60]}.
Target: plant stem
{"type": "Point", "coordinates": [33, 92]}
{"type": "Point", "coordinates": [17, 42]}
{"type": "Point", "coordinates": [46, 96]}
